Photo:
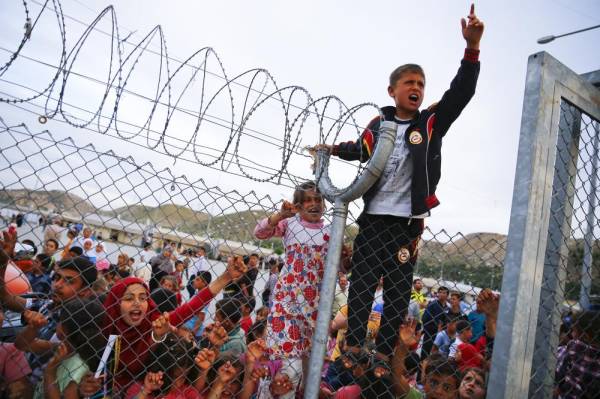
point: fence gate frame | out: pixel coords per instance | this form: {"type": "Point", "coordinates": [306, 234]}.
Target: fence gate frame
{"type": "Point", "coordinates": [533, 253]}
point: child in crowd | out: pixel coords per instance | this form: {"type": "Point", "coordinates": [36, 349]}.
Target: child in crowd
{"type": "Point", "coordinates": [462, 351]}
{"type": "Point", "coordinates": [39, 275]}
{"type": "Point", "coordinates": [392, 221]}
{"type": "Point", "coordinates": [578, 365]}
{"type": "Point", "coordinates": [228, 316]}
{"type": "Point", "coordinates": [262, 313]}
{"type": "Point", "coordinates": [171, 373]}
{"type": "Point", "coordinates": [444, 338]}
{"type": "Point", "coordinates": [472, 385]}
{"type": "Point", "coordinates": [248, 305]}
{"type": "Point", "coordinates": [296, 294]}
{"type": "Point", "coordinates": [79, 352]}
{"type": "Point", "coordinates": [170, 283]}
{"type": "Point", "coordinates": [196, 323]}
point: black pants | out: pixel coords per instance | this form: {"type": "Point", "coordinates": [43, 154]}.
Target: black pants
{"type": "Point", "coordinates": [384, 247]}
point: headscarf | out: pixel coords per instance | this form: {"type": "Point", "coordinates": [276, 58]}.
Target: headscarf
{"type": "Point", "coordinates": [135, 341]}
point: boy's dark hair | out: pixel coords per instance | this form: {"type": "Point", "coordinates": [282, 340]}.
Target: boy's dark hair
{"type": "Point", "coordinates": [54, 241]}
{"type": "Point", "coordinates": [45, 260]}
{"type": "Point", "coordinates": [457, 294]}
{"type": "Point", "coordinates": [204, 275]}
{"type": "Point", "coordinates": [417, 279]}
{"type": "Point", "coordinates": [165, 300]}
{"type": "Point", "coordinates": [254, 254]}
{"type": "Point", "coordinates": [86, 269]}
{"type": "Point", "coordinates": [31, 244]}
{"type": "Point", "coordinates": [173, 352]}
{"type": "Point", "coordinates": [443, 367]}
{"type": "Point", "coordinates": [588, 324]}
{"type": "Point", "coordinates": [257, 330]}
{"type": "Point", "coordinates": [444, 289]}
{"type": "Point", "coordinates": [230, 309]}
{"type": "Point", "coordinates": [462, 325]}
{"type": "Point", "coordinates": [123, 273]}
{"type": "Point", "coordinates": [178, 262]}
{"type": "Point", "coordinates": [406, 68]}
{"type": "Point", "coordinates": [76, 251]}
{"type": "Point", "coordinates": [79, 318]}
{"type": "Point", "coordinates": [300, 192]}
{"type": "Point", "coordinates": [147, 245]}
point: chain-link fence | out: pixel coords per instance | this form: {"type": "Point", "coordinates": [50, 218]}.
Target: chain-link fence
{"type": "Point", "coordinates": [548, 342]}
{"type": "Point", "coordinates": [134, 224]}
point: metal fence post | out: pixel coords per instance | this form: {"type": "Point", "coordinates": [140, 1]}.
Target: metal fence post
{"type": "Point", "coordinates": [557, 254]}
{"type": "Point", "coordinates": [341, 198]}
{"type": "Point", "coordinates": [588, 248]}
{"type": "Point", "coordinates": [535, 243]}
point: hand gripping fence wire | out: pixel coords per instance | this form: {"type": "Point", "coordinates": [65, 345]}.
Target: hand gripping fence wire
{"type": "Point", "coordinates": [340, 199]}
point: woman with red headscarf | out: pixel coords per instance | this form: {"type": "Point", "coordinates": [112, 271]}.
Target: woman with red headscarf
{"type": "Point", "coordinates": [131, 314]}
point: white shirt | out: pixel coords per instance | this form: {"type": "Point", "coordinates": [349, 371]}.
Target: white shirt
{"type": "Point", "coordinates": [200, 265]}
{"type": "Point", "coordinates": [454, 347]}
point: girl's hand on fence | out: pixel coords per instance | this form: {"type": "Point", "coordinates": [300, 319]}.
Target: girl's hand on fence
{"type": "Point", "coordinates": [161, 326]}
{"type": "Point", "coordinates": [287, 210]}
{"type": "Point", "coordinates": [205, 358]}
{"type": "Point", "coordinates": [256, 351]}
{"type": "Point", "coordinates": [152, 382]}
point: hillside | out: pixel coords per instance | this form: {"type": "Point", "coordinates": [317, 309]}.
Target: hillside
{"type": "Point", "coordinates": [53, 201]}
{"type": "Point", "coordinates": [168, 215]}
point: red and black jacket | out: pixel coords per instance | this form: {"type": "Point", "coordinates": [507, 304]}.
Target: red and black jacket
{"type": "Point", "coordinates": [423, 136]}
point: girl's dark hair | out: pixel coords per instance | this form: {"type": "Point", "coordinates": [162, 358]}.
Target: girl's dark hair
{"type": "Point", "coordinates": [174, 352]}
{"type": "Point", "coordinates": [373, 386]}
{"type": "Point", "coordinates": [300, 192]}
{"type": "Point", "coordinates": [257, 330]}
{"type": "Point", "coordinates": [165, 300]}
{"type": "Point", "coordinates": [79, 319]}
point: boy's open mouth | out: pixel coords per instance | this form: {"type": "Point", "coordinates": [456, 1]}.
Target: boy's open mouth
{"type": "Point", "coordinates": [413, 98]}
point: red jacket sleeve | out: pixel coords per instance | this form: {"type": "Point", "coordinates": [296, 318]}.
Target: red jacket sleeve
{"type": "Point", "coordinates": [184, 312]}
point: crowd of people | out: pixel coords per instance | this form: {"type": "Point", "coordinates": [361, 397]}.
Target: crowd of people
{"type": "Point", "coordinates": [169, 349]}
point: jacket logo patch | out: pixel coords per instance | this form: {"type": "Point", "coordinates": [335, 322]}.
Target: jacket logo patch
{"type": "Point", "coordinates": [403, 255]}
{"type": "Point", "coordinates": [415, 137]}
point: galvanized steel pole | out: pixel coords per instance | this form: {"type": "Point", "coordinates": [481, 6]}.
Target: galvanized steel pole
{"type": "Point", "coordinates": [341, 198]}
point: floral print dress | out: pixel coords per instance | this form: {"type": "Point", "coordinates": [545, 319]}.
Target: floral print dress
{"type": "Point", "coordinates": [293, 313]}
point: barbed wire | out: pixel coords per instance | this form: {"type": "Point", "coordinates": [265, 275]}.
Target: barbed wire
{"type": "Point", "coordinates": [121, 65]}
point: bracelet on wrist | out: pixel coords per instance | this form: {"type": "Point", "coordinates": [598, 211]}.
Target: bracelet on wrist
{"type": "Point", "coordinates": [158, 341]}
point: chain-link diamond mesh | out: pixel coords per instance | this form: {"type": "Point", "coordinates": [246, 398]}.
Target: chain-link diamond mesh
{"type": "Point", "coordinates": [107, 247]}
{"type": "Point", "coordinates": [566, 354]}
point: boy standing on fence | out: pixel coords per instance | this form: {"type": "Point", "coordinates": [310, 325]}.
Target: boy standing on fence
{"type": "Point", "coordinates": [392, 221]}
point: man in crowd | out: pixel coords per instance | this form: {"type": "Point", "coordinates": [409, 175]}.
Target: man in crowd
{"type": "Point", "coordinates": [434, 319]}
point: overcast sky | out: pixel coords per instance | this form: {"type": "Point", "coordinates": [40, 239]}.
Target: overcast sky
{"type": "Point", "coordinates": [344, 48]}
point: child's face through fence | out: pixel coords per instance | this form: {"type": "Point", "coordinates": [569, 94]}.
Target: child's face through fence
{"type": "Point", "coordinates": [472, 386]}
{"type": "Point", "coordinates": [134, 305]}
{"type": "Point", "coordinates": [312, 207]}
{"type": "Point", "coordinates": [440, 387]}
